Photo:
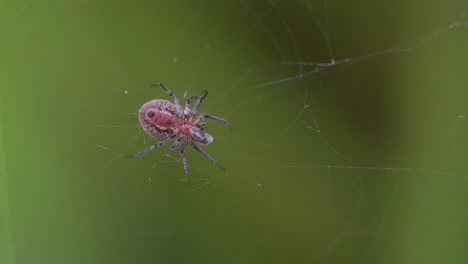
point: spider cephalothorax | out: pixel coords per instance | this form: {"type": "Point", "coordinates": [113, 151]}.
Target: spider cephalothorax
{"type": "Point", "coordinates": [166, 120]}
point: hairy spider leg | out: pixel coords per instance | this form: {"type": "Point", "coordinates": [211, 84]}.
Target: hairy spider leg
{"type": "Point", "coordinates": [202, 126]}
{"type": "Point", "coordinates": [198, 103]}
{"type": "Point", "coordinates": [219, 119]}
{"type": "Point", "coordinates": [174, 97]}
{"type": "Point", "coordinates": [150, 148]}
{"type": "Point", "coordinates": [184, 160]}
{"type": "Point", "coordinates": [187, 110]}
{"type": "Point", "coordinates": [174, 146]}
{"type": "Point", "coordinates": [207, 156]}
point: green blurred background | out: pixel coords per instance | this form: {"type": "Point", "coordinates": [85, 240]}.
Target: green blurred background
{"type": "Point", "coordinates": [364, 161]}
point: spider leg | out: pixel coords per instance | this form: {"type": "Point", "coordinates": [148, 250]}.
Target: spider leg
{"type": "Point", "coordinates": [187, 110]}
{"type": "Point", "coordinates": [174, 146]}
{"type": "Point", "coordinates": [202, 126]}
{"type": "Point", "coordinates": [198, 103]}
{"type": "Point", "coordinates": [207, 156]}
{"type": "Point", "coordinates": [184, 160]}
{"type": "Point", "coordinates": [219, 119]}
{"type": "Point", "coordinates": [150, 148]}
{"type": "Point", "coordinates": [170, 93]}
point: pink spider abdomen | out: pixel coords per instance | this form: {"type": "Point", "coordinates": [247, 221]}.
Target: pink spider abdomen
{"type": "Point", "coordinates": [163, 119]}
{"type": "Point", "coordinates": [158, 118]}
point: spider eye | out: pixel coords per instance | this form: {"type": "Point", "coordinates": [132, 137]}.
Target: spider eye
{"type": "Point", "coordinates": [150, 114]}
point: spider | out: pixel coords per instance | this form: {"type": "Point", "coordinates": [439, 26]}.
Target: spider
{"type": "Point", "coordinates": [166, 120]}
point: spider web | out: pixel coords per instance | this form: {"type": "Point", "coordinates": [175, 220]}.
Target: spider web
{"type": "Point", "coordinates": [349, 138]}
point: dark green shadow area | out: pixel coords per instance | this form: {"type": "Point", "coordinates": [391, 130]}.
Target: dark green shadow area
{"type": "Point", "coordinates": [350, 132]}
